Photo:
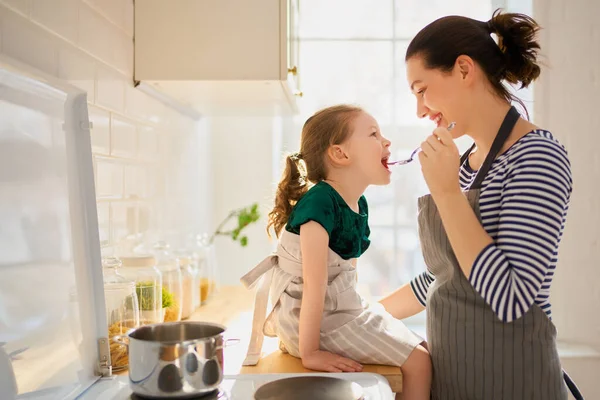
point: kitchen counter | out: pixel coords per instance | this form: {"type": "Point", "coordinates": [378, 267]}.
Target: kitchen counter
{"type": "Point", "coordinates": [233, 306]}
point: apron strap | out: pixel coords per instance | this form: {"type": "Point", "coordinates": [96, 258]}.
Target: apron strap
{"type": "Point", "coordinates": [506, 128]}
{"type": "Point", "coordinates": [572, 387]}
{"type": "Point", "coordinates": [261, 301]}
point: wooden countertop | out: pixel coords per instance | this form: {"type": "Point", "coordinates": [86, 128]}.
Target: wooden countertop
{"type": "Point", "coordinates": [233, 306]}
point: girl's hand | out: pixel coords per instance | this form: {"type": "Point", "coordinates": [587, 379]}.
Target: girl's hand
{"type": "Point", "coordinates": [325, 361]}
{"type": "Point", "coordinates": [440, 163]}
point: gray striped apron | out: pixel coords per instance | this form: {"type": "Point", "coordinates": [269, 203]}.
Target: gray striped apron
{"type": "Point", "coordinates": [474, 354]}
{"type": "Point", "coordinates": [350, 326]}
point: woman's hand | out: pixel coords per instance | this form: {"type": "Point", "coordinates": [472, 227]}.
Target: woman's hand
{"type": "Point", "coordinates": [440, 163]}
{"type": "Point", "coordinates": [325, 361]}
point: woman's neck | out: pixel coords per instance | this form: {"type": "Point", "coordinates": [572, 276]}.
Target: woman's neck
{"type": "Point", "coordinates": [347, 187]}
{"type": "Point", "coordinates": [484, 128]}
{"type": "Point", "coordinates": [488, 116]}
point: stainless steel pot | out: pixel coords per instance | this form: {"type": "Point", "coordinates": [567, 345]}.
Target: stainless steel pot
{"type": "Point", "coordinates": [175, 360]}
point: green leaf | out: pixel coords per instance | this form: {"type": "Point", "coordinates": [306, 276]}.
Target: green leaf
{"type": "Point", "coordinates": [244, 241]}
{"type": "Point", "coordinates": [245, 216]}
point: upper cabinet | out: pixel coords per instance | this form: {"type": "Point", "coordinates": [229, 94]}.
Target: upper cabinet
{"type": "Point", "coordinates": [221, 57]}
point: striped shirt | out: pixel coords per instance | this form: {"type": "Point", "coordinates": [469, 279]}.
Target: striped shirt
{"type": "Point", "coordinates": [523, 204]}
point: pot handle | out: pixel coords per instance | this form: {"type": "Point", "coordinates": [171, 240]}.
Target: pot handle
{"type": "Point", "coordinates": [121, 339]}
{"type": "Point", "coordinates": [228, 343]}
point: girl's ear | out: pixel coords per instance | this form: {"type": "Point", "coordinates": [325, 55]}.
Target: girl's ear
{"type": "Point", "coordinates": [337, 155]}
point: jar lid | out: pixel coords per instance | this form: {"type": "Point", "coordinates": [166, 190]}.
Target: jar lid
{"type": "Point", "coordinates": [168, 265]}
{"type": "Point", "coordinates": [111, 262]}
{"type": "Point", "coordinates": [139, 261]}
{"type": "Point", "coordinates": [184, 260]}
{"type": "Point", "coordinates": [112, 278]}
{"type": "Point", "coordinates": [183, 256]}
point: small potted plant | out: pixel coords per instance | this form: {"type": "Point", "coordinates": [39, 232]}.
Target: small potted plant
{"type": "Point", "coordinates": [245, 216]}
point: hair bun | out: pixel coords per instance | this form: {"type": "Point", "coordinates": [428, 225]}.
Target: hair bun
{"type": "Point", "coordinates": [517, 39]}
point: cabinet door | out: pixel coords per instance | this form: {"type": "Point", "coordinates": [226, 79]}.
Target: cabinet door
{"type": "Point", "coordinates": [293, 20]}
{"type": "Point", "coordinates": [51, 291]}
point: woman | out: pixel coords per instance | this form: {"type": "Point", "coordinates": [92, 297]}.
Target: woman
{"type": "Point", "coordinates": [491, 227]}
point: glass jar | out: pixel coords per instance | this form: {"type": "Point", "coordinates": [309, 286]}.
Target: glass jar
{"type": "Point", "coordinates": [189, 283]}
{"type": "Point", "coordinates": [205, 256]}
{"type": "Point", "coordinates": [148, 286]}
{"type": "Point", "coordinates": [122, 309]}
{"type": "Point", "coordinates": [172, 283]}
{"type": "Point", "coordinates": [198, 273]}
{"type": "Point", "coordinates": [198, 266]}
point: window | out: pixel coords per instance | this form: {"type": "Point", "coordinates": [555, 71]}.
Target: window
{"type": "Point", "coordinates": [352, 51]}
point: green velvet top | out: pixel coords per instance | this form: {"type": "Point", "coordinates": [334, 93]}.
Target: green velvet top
{"type": "Point", "coordinates": [348, 231]}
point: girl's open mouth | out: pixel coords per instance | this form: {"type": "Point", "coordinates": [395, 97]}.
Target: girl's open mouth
{"type": "Point", "coordinates": [384, 162]}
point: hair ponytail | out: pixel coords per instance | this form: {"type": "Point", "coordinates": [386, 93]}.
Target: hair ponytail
{"type": "Point", "coordinates": [291, 188]}
{"type": "Point", "coordinates": [517, 40]}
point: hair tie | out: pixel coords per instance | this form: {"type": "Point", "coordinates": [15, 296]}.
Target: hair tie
{"type": "Point", "coordinates": [296, 156]}
{"type": "Point", "coordinates": [491, 29]}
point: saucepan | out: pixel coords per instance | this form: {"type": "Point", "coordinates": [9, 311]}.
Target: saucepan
{"type": "Point", "coordinates": [175, 359]}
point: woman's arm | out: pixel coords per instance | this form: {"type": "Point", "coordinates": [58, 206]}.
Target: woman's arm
{"type": "Point", "coordinates": [510, 271]}
{"type": "Point", "coordinates": [402, 303]}
{"type": "Point", "coordinates": [314, 245]}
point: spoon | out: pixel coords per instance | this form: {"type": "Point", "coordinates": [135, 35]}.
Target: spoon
{"type": "Point", "coordinates": [415, 151]}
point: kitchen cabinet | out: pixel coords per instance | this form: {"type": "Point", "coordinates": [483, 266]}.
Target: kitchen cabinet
{"type": "Point", "coordinates": [221, 57]}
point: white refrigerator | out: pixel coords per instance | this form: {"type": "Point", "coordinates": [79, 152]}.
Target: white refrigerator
{"type": "Point", "coordinates": [51, 291]}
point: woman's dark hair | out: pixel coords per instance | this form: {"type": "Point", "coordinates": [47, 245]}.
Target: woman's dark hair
{"type": "Point", "coordinates": [512, 59]}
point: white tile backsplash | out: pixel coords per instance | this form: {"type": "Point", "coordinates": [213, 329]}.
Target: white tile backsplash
{"type": "Point", "coordinates": [104, 222]}
{"type": "Point", "coordinates": [109, 179]}
{"type": "Point", "coordinates": [155, 187]}
{"type": "Point", "coordinates": [59, 16]}
{"type": "Point", "coordinates": [78, 69]}
{"type": "Point", "coordinates": [27, 42]}
{"type": "Point", "coordinates": [123, 220]}
{"type": "Point", "coordinates": [21, 6]}
{"type": "Point", "coordinates": [123, 138]}
{"type": "Point", "coordinates": [100, 131]}
{"type": "Point", "coordinates": [113, 10]}
{"type": "Point", "coordinates": [135, 182]}
{"type": "Point", "coordinates": [145, 108]}
{"type": "Point", "coordinates": [110, 89]}
{"type": "Point", "coordinates": [148, 143]}
{"type": "Point", "coordinates": [95, 35]}
{"type": "Point", "coordinates": [122, 52]}
{"type": "Point", "coordinates": [128, 23]}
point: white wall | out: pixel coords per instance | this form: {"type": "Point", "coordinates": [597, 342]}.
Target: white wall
{"type": "Point", "coordinates": [149, 172]}
{"type": "Point", "coordinates": [245, 171]}
{"type": "Point", "coordinates": [566, 102]}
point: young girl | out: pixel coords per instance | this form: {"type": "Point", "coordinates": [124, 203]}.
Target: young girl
{"type": "Point", "coordinates": [320, 217]}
